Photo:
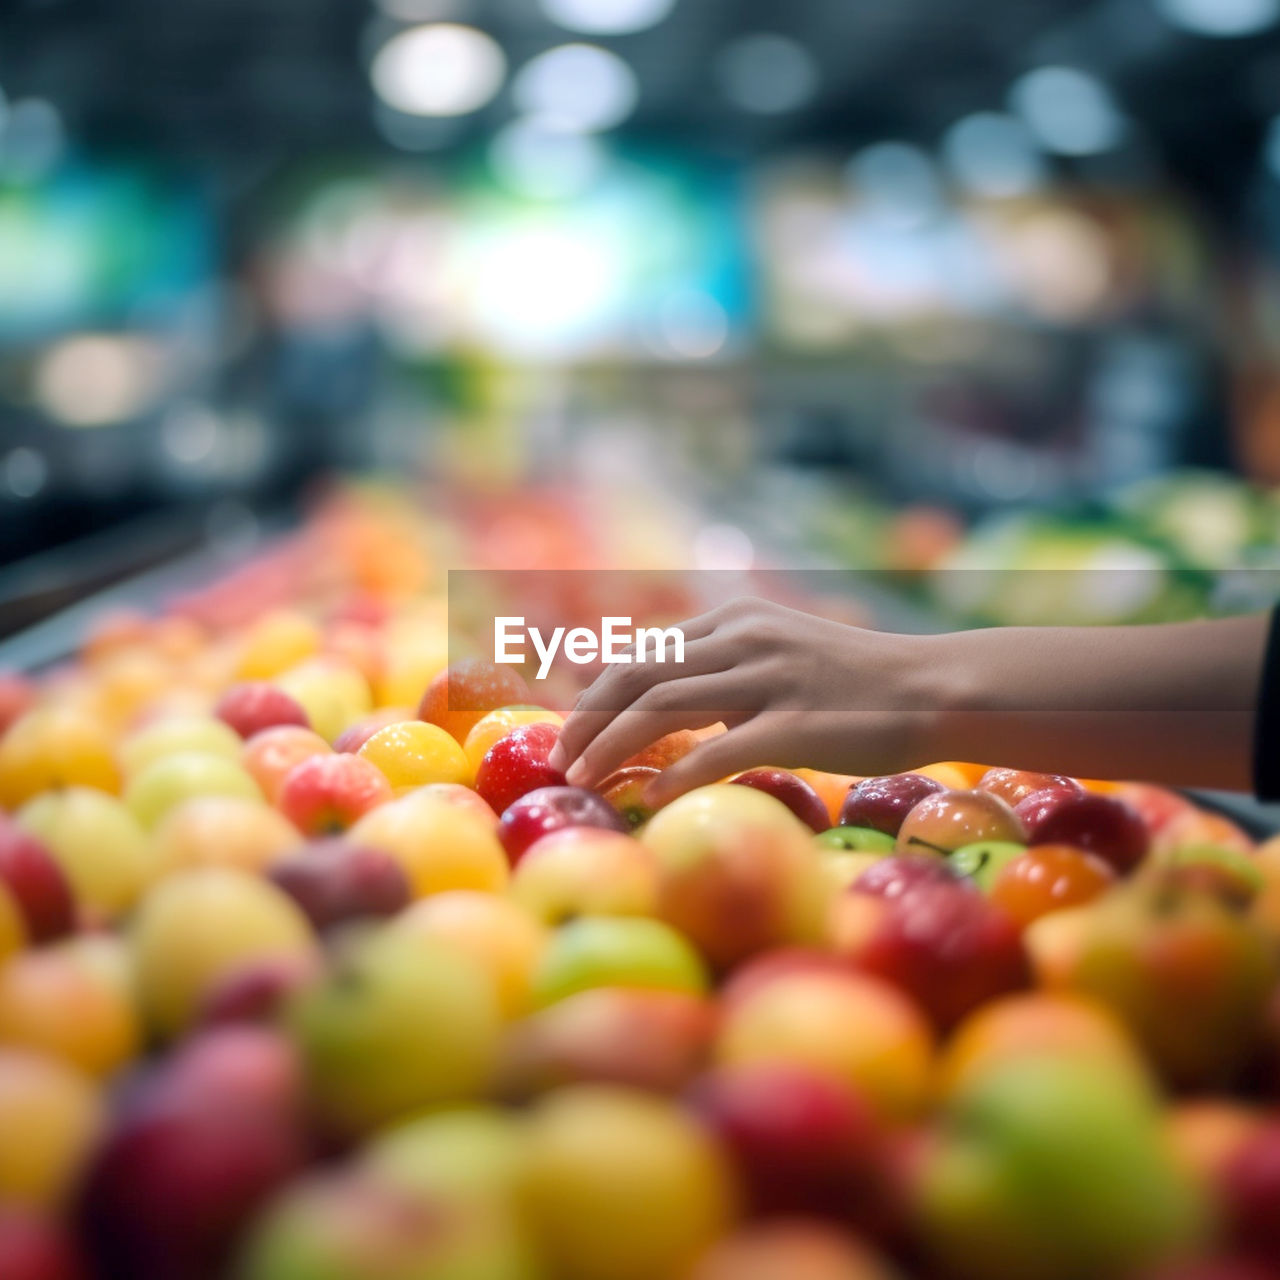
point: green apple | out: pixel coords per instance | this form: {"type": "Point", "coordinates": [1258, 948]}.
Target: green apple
{"type": "Point", "coordinates": [1054, 1169]}
{"type": "Point", "coordinates": [984, 860]}
{"type": "Point", "coordinates": [842, 869]}
{"type": "Point", "coordinates": [853, 840]}
{"type": "Point", "coordinates": [403, 1022]}
{"type": "Point", "coordinates": [351, 1225]}
{"type": "Point", "coordinates": [616, 951]}
{"type": "Point", "coordinates": [97, 841]}
{"type": "Point", "coordinates": [460, 1155]}
{"type": "Point", "coordinates": [175, 735]}
{"type": "Point", "coordinates": [460, 1167]}
{"type": "Point", "coordinates": [620, 1185]}
{"type": "Point", "coordinates": [165, 783]}
{"type": "Point", "coordinates": [195, 928]}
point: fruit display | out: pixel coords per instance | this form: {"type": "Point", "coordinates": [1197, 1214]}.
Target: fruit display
{"type": "Point", "coordinates": [307, 973]}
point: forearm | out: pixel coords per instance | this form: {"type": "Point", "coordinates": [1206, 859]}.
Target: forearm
{"type": "Point", "coordinates": [1174, 703]}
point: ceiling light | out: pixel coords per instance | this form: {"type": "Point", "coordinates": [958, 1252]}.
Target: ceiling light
{"type": "Point", "coordinates": [607, 17]}
{"type": "Point", "coordinates": [576, 86]}
{"type": "Point", "coordinates": [1070, 112]}
{"type": "Point", "coordinates": [1221, 17]}
{"type": "Point", "coordinates": [439, 70]}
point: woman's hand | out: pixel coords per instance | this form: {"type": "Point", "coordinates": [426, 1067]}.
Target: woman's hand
{"type": "Point", "coordinates": [792, 689]}
{"type": "Point", "coordinates": [1174, 703]}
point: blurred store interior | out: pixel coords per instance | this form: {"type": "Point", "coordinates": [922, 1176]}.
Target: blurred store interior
{"type": "Point", "coordinates": [882, 282]}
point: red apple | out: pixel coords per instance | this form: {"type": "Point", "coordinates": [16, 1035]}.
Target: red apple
{"type": "Point", "coordinates": [947, 947]}
{"type": "Point", "coordinates": [37, 882]}
{"type": "Point", "coordinates": [882, 803]}
{"type": "Point", "coordinates": [458, 697]}
{"type": "Point", "coordinates": [37, 1248]}
{"type": "Point", "coordinates": [257, 705]}
{"type": "Point", "coordinates": [245, 1065]}
{"type": "Point", "coordinates": [17, 697]}
{"type": "Point", "coordinates": [803, 1142]}
{"type": "Point", "coordinates": [537, 813]}
{"type": "Point", "coordinates": [1095, 823]}
{"type": "Point", "coordinates": [830, 1018]}
{"type": "Point", "coordinates": [517, 764]}
{"type": "Point", "coordinates": [334, 881]}
{"type": "Point", "coordinates": [782, 962]}
{"type": "Point", "coordinates": [654, 1040]}
{"type": "Point", "coordinates": [791, 1249]}
{"type": "Point", "coordinates": [323, 795]}
{"type": "Point", "coordinates": [1250, 1193]}
{"type": "Point", "coordinates": [794, 792]}
{"type": "Point", "coordinates": [624, 789]}
{"type": "Point", "coordinates": [186, 1167]}
{"type": "Point", "coordinates": [1014, 785]}
{"type": "Point", "coordinates": [364, 610]}
{"type": "Point", "coordinates": [256, 991]}
{"type": "Point", "coordinates": [899, 873]}
{"type": "Point", "coordinates": [947, 821]}
{"type": "Point", "coordinates": [1159, 808]}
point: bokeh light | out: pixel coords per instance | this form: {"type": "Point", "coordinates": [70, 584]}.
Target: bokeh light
{"type": "Point", "coordinates": [768, 74]}
{"type": "Point", "coordinates": [31, 138]}
{"type": "Point", "coordinates": [896, 183]}
{"type": "Point", "coordinates": [1060, 264]}
{"type": "Point", "coordinates": [532, 159]}
{"type": "Point", "coordinates": [577, 86]}
{"type": "Point", "coordinates": [991, 154]}
{"type": "Point", "coordinates": [607, 17]}
{"type": "Point", "coordinates": [692, 325]}
{"type": "Point", "coordinates": [1221, 17]}
{"type": "Point", "coordinates": [443, 69]}
{"type": "Point", "coordinates": [24, 472]}
{"type": "Point", "coordinates": [542, 288]}
{"type": "Point", "coordinates": [1070, 112]}
{"type": "Point", "coordinates": [91, 380]}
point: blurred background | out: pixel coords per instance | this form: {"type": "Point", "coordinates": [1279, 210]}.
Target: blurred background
{"type": "Point", "coordinates": [891, 284]}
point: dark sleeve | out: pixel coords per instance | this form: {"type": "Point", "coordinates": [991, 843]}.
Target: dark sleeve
{"type": "Point", "coordinates": [1266, 741]}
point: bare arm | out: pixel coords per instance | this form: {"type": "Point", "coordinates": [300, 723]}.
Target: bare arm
{"type": "Point", "coordinates": [1174, 703]}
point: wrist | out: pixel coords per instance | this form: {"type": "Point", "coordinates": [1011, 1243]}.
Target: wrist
{"type": "Point", "coordinates": [951, 683]}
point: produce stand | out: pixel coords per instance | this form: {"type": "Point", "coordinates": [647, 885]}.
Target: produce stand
{"type": "Point", "coordinates": [353, 985]}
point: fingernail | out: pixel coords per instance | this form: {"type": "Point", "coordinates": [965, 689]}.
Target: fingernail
{"type": "Point", "coordinates": [577, 775]}
{"type": "Point", "coordinates": [555, 757]}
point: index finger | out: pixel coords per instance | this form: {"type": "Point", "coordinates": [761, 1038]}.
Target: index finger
{"type": "Point", "coordinates": [618, 688]}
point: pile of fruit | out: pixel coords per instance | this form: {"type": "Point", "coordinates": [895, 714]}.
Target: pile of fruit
{"type": "Point", "coordinates": [309, 973]}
